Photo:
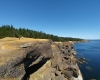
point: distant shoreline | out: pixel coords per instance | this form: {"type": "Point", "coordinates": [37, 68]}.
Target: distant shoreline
{"type": "Point", "coordinates": [83, 41]}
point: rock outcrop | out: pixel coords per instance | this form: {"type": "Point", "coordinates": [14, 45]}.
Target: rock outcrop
{"type": "Point", "coordinates": [42, 60]}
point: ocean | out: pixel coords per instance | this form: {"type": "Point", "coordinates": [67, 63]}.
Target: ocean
{"type": "Point", "coordinates": [91, 51]}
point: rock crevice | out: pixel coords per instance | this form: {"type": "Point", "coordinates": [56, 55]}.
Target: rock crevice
{"type": "Point", "coordinates": [42, 61]}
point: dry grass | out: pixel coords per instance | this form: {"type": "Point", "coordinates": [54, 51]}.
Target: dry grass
{"type": "Point", "coordinates": [12, 43]}
{"type": "Point", "coordinates": [65, 43]}
{"type": "Point", "coordinates": [9, 44]}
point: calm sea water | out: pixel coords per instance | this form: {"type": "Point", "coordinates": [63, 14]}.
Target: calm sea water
{"type": "Point", "coordinates": [91, 51]}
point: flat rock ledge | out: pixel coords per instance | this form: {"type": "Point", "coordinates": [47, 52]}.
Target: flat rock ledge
{"type": "Point", "coordinates": [41, 61]}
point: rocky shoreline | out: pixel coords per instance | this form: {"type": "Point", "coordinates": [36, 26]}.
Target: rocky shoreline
{"type": "Point", "coordinates": [81, 41]}
{"type": "Point", "coordinates": [42, 60]}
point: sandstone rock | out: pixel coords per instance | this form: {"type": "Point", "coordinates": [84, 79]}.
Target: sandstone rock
{"type": "Point", "coordinates": [30, 56]}
{"type": "Point", "coordinates": [26, 45]}
{"type": "Point", "coordinates": [52, 75]}
{"type": "Point", "coordinates": [62, 66]}
{"type": "Point", "coordinates": [41, 61]}
{"type": "Point", "coordinates": [59, 78]}
{"type": "Point", "coordinates": [58, 73]}
{"type": "Point", "coordinates": [53, 70]}
{"type": "Point", "coordinates": [67, 73]}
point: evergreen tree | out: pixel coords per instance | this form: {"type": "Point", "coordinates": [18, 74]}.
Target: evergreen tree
{"type": "Point", "coordinates": [10, 31]}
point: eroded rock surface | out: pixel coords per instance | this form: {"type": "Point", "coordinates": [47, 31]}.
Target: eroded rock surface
{"type": "Point", "coordinates": [62, 66]}
{"type": "Point", "coordinates": [45, 60]}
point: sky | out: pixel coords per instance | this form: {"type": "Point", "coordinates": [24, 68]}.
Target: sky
{"type": "Point", "coordinates": [66, 18]}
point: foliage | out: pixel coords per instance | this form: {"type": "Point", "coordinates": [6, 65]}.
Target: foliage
{"type": "Point", "coordinates": [10, 31]}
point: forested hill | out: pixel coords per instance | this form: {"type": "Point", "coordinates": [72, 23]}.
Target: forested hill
{"type": "Point", "coordinates": [10, 31]}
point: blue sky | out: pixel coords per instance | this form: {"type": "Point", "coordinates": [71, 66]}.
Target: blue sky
{"type": "Point", "coordinates": [68, 18]}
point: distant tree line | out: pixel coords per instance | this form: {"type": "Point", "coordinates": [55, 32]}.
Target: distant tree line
{"type": "Point", "coordinates": [10, 31]}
